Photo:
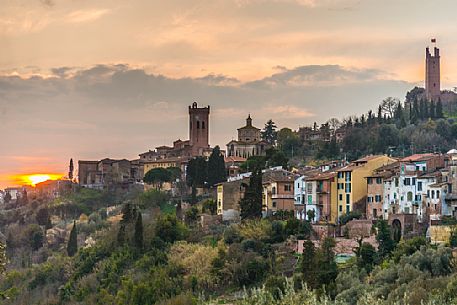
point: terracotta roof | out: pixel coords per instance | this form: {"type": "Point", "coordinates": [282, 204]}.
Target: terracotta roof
{"type": "Point", "coordinates": [234, 159]}
{"type": "Point", "coordinates": [418, 157]}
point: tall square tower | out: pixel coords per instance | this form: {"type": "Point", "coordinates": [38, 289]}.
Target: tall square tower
{"type": "Point", "coordinates": [432, 74]}
{"type": "Point", "coordinates": [198, 129]}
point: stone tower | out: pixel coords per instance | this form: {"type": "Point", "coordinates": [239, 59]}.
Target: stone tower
{"type": "Point", "coordinates": [198, 129]}
{"type": "Point", "coordinates": [432, 74]}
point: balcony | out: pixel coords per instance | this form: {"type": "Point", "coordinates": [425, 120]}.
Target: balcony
{"type": "Point", "coordinates": [282, 196]}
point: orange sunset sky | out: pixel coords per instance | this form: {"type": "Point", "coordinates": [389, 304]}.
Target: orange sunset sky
{"type": "Point", "coordinates": [109, 78]}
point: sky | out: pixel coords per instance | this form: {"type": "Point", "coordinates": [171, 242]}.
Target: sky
{"type": "Point", "coordinates": [88, 79]}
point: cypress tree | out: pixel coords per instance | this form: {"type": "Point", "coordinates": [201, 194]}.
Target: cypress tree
{"type": "Point", "coordinates": [251, 204]}
{"type": "Point", "coordinates": [432, 110]}
{"type": "Point", "coordinates": [439, 110]}
{"type": "Point", "coordinates": [121, 235]}
{"type": "Point", "coordinates": [308, 264]}
{"type": "Point", "coordinates": [380, 119]}
{"type": "Point", "coordinates": [138, 237]}
{"type": "Point", "coordinates": [216, 167]}
{"type": "Point", "coordinates": [72, 246]}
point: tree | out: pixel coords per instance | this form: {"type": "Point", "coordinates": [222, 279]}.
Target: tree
{"type": "Point", "coordinates": [251, 204]}
{"type": "Point", "coordinates": [138, 237]}
{"type": "Point", "coordinates": [289, 142]}
{"type": "Point", "coordinates": [70, 170]}
{"type": "Point", "coordinates": [328, 270]}
{"type": "Point", "coordinates": [439, 110]}
{"type": "Point", "coordinates": [366, 256]}
{"type": "Point", "coordinates": [197, 172]}
{"type": "Point", "coordinates": [3, 258]}
{"type": "Point", "coordinates": [308, 265]}
{"type": "Point", "coordinates": [380, 115]}
{"type": "Point", "coordinates": [311, 215]}
{"type": "Point", "coordinates": [216, 167]}
{"type": "Point", "coordinates": [157, 176]}
{"type": "Point", "coordinates": [388, 106]}
{"type": "Point", "coordinates": [43, 218]}
{"type": "Point", "coordinates": [72, 246]}
{"type": "Point", "coordinates": [36, 237]}
{"type": "Point", "coordinates": [334, 124]}
{"type": "Point", "coordinates": [432, 110]}
{"type": "Point", "coordinates": [384, 238]}
{"type": "Point", "coordinates": [269, 133]}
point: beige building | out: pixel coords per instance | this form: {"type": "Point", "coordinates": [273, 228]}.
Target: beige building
{"type": "Point", "coordinates": [249, 142]}
{"type": "Point", "coordinates": [352, 183]}
{"type": "Point", "coordinates": [278, 191]}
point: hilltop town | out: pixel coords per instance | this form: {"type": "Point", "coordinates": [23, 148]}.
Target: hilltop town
{"type": "Point", "coordinates": [356, 210]}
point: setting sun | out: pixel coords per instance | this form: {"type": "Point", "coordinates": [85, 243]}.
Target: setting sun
{"type": "Point", "coordinates": [34, 179]}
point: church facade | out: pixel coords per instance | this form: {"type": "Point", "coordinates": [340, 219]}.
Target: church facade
{"type": "Point", "coordinates": [249, 142]}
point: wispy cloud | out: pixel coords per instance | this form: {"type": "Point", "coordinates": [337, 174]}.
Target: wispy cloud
{"type": "Point", "coordinates": [82, 16]}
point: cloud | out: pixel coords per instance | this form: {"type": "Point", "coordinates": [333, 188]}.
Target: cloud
{"type": "Point", "coordinates": [121, 110]}
{"type": "Point", "coordinates": [82, 16]}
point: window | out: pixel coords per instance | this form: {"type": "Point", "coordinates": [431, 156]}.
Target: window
{"type": "Point", "coordinates": [409, 196]}
{"type": "Point", "coordinates": [309, 187]}
{"type": "Point", "coordinates": [378, 198]}
{"type": "Point", "coordinates": [203, 125]}
{"type": "Point", "coordinates": [340, 186]}
{"type": "Point", "coordinates": [419, 186]}
{"type": "Point", "coordinates": [433, 194]}
{"type": "Point", "coordinates": [274, 204]}
{"type": "Point", "coordinates": [198, 124]}
{"type": "Point", "coordinates": [378, 180]}
{"type": "Point", "coordinates": [414, 181]}
{"type": "Point", "coordinates": [407, 181]}
{"type": "Point", "coordinates": [287, 188]}
{"type": "Point", "coordinates": [348, 198]}
{"type": "Point", "coordinates": [428, 193]}
{"type": "Point", "coordinates": [341, 208]}
{"type": "Point", "coordinates": [396, 182]}
{"type": "Point", "coordinates": [348, 176]}
{"type": "Point", "coordinates": [341, 197]}
{"type": "Point", "coordinates": [369, 199]}
{"type": "Point", "coordinates": [370, 180]}
{"type": "Point", "coordinates": [348, 209]}
{"type": "Point", "coordinates": [437, 194]}
{"type": "Point", "coordinates": [348, 188]}
{"type": "Point", "coordinates": [273, 190]}
{"type": "Point", "coordinates": [310, 199]}
{"type": "Point", "coordinates": [340, 174]}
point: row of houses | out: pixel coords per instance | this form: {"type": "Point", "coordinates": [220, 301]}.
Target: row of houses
{"type": "Point", "coordinates": [375, 186]}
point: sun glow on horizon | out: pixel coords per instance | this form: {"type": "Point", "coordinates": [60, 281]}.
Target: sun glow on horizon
{"type": "Point", "coordinates": [34, 179]}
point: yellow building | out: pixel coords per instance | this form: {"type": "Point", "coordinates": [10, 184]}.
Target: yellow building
{"type": "Point", "coordinates": [352, 183]}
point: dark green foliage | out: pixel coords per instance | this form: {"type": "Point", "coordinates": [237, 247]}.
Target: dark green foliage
{"type": "Point", "coordinates": [153, 198]}
{"type": "Point", "coordinates": [344, 219]}
{"type": "Point", "coordinates": [301, 228]}
{"type": "Point", "coordinates": [216, 167]}
{"type": "Point", "coordinates": [36, 237]}
{"type": "Point", "coordinates": [251, 204]}
{"type": "Point", "coordinates": [158, 176]}
{"type": "Point", "coordinates": [72, 246]}
{"type": "Point", "coordinates": [43, 218]}
{"type": "Point", "coordinates": [327, 269]}
{"type": "Point", "coordinates": [197, 172]}
{"type": "Point", "coordinates": [277, 232]}
{"type": "Point", "coordinates": [276, 285]}
{"type": "Point", "coordinates": [408, 247]}
{"type": "Point", "coordinates": [169, 229]}
{"type": "Point", "coordinates": [308, 265]}
{"type": "Point", "coordinates": [209, 206]}
{"type": "Point", "coordinates": [367, 257]}
{"type": "Point", "coordinates": [289, 142]}
{"type": "Point", "coordinates": [192, 215]}
{"type": "Point", "coordinates": [384, 238]}
{"type": "Point", "coordinates": [138, 237]}
{"type": "Point", "coordinates": [269, 133]}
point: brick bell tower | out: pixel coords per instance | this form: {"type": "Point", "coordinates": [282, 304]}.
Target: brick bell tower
{"type": "Point", "coordinates": [432, 74]}
{"type": "Point", "coordinates": [198, 129]}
